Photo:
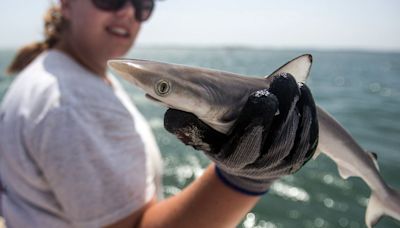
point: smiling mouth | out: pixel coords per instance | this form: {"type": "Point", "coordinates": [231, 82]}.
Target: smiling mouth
{"type": "Point", "coordinates": [118, 31]}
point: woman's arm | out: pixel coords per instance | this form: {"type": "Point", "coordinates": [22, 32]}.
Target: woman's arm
{"type": "Point", "coordinates": [207, 202]}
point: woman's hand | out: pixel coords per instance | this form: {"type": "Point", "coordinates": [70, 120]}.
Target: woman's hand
{"type": "Point", "coordinates": [275, 134]}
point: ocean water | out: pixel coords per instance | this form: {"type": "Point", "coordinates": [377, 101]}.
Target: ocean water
{"type": "Point", "coordinates": [360, 89]}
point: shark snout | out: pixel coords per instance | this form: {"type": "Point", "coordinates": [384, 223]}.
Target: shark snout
{"type": "Point", "coordinates": [118, 65]}
{"type": "Point", "coordinates": [133, 71]}
{"type": "Point", "coordinates": [121, 66]}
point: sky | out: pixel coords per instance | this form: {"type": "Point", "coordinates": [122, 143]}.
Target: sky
{"type": "Point", "coordinates": [316, 24]}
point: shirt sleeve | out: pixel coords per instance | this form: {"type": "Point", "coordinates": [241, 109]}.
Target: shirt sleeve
{"type": "Point", "coordinates": [95, 162]}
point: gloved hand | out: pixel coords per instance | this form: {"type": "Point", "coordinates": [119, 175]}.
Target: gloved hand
{"type": "Point", "coordinates": [275, 134]}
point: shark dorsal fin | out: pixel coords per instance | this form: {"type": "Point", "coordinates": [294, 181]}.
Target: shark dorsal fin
{"type": "Point", "coordinates": [298, 67]}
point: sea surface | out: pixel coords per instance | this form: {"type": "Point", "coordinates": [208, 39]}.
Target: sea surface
{"type": "Point", "coordinates": [360, 89]}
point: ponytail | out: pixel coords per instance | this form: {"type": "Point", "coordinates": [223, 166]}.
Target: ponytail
{"type": "Point", "coordinates": [54, 23]}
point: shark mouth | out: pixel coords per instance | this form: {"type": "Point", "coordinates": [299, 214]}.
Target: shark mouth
{"type": "Point", "coordinates": [152, 98]}
{"type": "Point", "coordinates": [157, 101]}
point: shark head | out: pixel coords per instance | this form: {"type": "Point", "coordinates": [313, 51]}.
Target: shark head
{"type": "Point", "coordinates": [166, 84]}
{"type": "Point", "coordinates": [215, 97]}
{"type": "Point", "coordinates": [180, 87]}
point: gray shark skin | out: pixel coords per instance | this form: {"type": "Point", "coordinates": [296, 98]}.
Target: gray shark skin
{"type": "Point", "coordinates": [217, 97]}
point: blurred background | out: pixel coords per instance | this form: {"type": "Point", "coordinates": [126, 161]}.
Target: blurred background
{"type": "Point", "coordinates": [355, 76]}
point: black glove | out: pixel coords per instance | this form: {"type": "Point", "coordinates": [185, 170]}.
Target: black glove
{"type": "Point", "coordinates": [275, 134]}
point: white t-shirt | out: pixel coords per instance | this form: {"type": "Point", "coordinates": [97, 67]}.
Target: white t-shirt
{"type": "Point", "coordinates": [74, 151]}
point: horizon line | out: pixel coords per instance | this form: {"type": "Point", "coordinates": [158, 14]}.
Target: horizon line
{"type": "Point", "coordinates": [246, 47]}
{"type": "Point", "coordinates": [266, 47]}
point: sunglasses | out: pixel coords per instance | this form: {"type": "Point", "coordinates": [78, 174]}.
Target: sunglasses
{"type": "Point", "coordinates": [143, 8]}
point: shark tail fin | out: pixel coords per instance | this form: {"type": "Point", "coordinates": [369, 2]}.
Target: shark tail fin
{"type": "Point", "coordinates": [378, 206]}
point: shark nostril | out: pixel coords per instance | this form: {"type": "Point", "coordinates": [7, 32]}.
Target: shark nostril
{"type": "Point", "coordinates": [163, 88]}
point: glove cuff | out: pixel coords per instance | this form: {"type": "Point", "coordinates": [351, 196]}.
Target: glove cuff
{"type": "Point", "coordinates": [244, 185]}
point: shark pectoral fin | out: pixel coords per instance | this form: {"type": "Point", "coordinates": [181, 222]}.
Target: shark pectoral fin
{"type": "Point", "coordinates": [344, 172]}
{"type": "Point", "coordinates": [375, 210]}
{"type": "Point", "coordinates": [298, 67]}
{"type": "Point", "coordinates": [374, 158]}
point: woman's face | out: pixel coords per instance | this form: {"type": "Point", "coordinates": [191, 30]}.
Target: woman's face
{"type": "Point", "coordinates": [96, 35]}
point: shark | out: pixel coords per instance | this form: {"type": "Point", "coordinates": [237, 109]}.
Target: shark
{"type": "Point", "coordinates": [217, 97]}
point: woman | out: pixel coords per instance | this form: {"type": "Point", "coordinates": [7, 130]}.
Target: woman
{"type": "Point", "coordinates": [75, 152]}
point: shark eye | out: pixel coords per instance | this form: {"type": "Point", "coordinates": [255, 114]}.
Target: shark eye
{"type": "Point", "coordinates": [163, 88]}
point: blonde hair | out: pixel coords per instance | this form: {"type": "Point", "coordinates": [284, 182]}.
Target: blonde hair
{"type": "Point", "coordinates": [54, 23]}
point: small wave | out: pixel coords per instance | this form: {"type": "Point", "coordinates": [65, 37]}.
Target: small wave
{"type": "Point", "coordinates": [290, 192]}
{"type": "Point", "coordinates": [156, 123]}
